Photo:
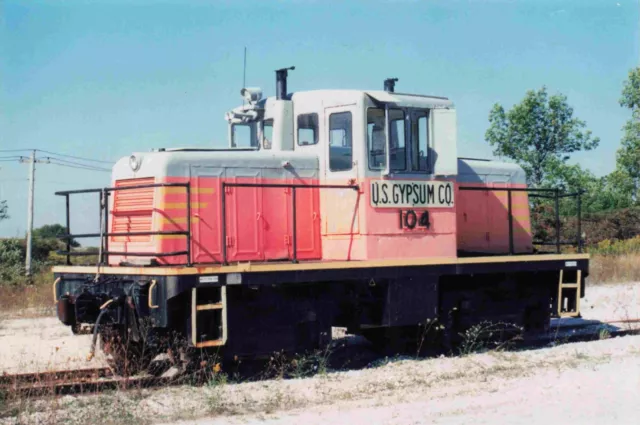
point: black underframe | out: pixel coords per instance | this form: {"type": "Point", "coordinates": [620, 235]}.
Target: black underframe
{"type": "Point", "coordinates": [171, 286]}
{"type": "Point", "coordinates": [349, 274]}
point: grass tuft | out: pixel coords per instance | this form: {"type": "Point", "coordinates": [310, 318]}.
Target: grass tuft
{"type": "Point", "coordinates": [28, 300]}
{"type": "Point", "coordinates": [614, 268]}
{"type": "Point", "coordinates": [489, 336]}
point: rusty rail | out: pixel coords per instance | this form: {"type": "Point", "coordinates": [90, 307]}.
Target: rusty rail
{"type": "Point", "coordinates": [75, 382]}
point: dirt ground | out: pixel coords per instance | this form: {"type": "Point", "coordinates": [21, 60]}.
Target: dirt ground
{"type": "Point", "coordinates": [601, 391]}
{"type": "Point", "coordinates": [595, 382]}
{"type": "Point", "coordinates": [612, 302]}
{"type": "Point", "coordinates": [31, 345]}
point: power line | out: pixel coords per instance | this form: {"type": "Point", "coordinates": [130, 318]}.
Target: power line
{"type": "Point", "coordinates": [32, 160]}
{"type": "Point", "coordinates": [64, 161]}
{"type": "Point", "coordinates": [75, 157]}
{"type": "Point", "coordinates": [42, 182]}
{"type": "Point", "coordinates": [81, 167]}
{"type": "Point", "coordinates": [57, 161]}
{"type": "Point", "coordinates": [81, 158]}
{"type": "Point", "coordinates": [15, 150]}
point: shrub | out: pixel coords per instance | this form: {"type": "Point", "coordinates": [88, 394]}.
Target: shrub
{"type": "Point", "coordinates": [12, 256]}
{"type": "Point", "coordinates": [616, 247]}
{"type": "Point", "coordinates": [11, 260]}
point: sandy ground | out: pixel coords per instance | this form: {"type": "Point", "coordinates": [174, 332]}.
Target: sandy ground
{"type": "Point", "coordinates": [30, 345]}
{"type": "Point", "coordinates": [612, 302]}
{"type": "Point", "coordinates": [583, 383]}
{"type": "Point", "coordinates": [595, 382]}
{"type": "Point", "coordinates": [589, 394]}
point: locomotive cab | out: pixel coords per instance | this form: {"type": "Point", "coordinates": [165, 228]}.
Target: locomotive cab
{"type": "Point", "coordinates": [383, 142]}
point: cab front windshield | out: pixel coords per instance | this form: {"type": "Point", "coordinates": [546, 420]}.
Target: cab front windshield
{"type": "Point", "coordinates": [408, 144]}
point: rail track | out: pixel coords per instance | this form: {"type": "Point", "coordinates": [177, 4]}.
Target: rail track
{"type": "Point", "coordinates": [82, 381]}
{"type": "Point", "coordinates": [95, 380]}
{"type": "Point", "coordinates": [582, 331]}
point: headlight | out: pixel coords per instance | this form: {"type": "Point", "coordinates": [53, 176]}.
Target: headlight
{"type": "Point", "coordinates": [134, 163]}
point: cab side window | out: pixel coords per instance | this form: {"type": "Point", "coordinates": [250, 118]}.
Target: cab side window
{"type": "Point", "coordinates": [242, 135]}
{"type": "Point", "coordinates": [307, 129]}
{"type": "Point", "coordinates": [340, 141]}
{"type": "Point", "coordinates": [267, 134]}
{"type": "Point", "coordinates": [420, 142]}
{"type": "Point", "coordinates": [376, 139]}
{"type": "Point", "coordinates": [397, 150]}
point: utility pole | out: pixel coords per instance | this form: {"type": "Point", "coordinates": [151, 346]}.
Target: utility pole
{"type": "Point", "coordinates": [32, 178]}
{"type": "Point", "coordinates": [32, 182]}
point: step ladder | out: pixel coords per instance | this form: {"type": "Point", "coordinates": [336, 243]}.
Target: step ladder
{"type": "Point", "coordinates": [568, 302]}
{"type": "Point", "coordinates": [209, 316]}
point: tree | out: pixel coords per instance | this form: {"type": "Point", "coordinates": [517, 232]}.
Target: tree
{"type": "Point", "coordinates": [52, 231]}
{"type": "Point", "coordinates": [599, 193]}
{"type": "Point", "coordinates": [3, 210]}
{"type": "Point", "coordinates": [631, 91]}
{"type": "Point", "coordinates": [628, 155]}
{"type": "Point", "coordinates": [539, 133]}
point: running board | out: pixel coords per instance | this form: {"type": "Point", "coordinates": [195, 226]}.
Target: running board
{"type": "Point", "coordinates": [568, 301]}
{"type": "Point", "coordinates": [209, 317]}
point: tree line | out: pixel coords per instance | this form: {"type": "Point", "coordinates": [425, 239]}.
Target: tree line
{"type": "Point", "coordinates": [541, 132]}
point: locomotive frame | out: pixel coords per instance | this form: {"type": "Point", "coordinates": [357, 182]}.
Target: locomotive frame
{"type": "Point", "coordinates": [376, 298]}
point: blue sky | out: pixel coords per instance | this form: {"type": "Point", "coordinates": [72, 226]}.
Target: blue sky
{"type": "Point", "coordinates": [103, 79]}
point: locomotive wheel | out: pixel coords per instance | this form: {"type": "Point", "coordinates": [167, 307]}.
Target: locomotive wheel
{"type": "Point", "coordinates": [389, 341]}
{"type": "Point", "coordinates": [124, 357]}
{"type": "Point", "coordinates": [413, 340]}
{"type": "Point", "coordinates": [183, 358]}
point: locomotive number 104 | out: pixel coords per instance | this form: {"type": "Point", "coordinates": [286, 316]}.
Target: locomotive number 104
{"type": "Point", "coordinates": [410, 219]}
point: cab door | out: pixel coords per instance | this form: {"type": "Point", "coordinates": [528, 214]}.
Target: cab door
{"type": "Point", "coordinates": [340, 207]}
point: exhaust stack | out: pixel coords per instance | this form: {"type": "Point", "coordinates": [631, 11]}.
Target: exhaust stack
{"type": "Point", "coordinates": [390, 84]}
{"type": "Point", "coordinates": [281, 82]}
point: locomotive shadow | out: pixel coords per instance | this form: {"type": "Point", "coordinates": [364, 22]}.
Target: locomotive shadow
{"type": "Point", "coordinates": [577, 326]}
{"type": "Point", "coordinates": [355, 352]}
{"type": "Point", "coordinates": [349, 352]}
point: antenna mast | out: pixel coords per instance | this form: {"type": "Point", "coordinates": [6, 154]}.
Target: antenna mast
{"type": "Point", "coordinates": [244, 71]}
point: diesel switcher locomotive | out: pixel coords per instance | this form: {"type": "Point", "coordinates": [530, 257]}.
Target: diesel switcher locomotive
{"type": "Point", "coordinates": [329, 208]}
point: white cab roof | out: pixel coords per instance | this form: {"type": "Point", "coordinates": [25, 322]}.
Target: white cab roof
{"type": "Point", "coordinates": [343, 97]}
{"type": "Point", "coordinates": [411, 100]}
